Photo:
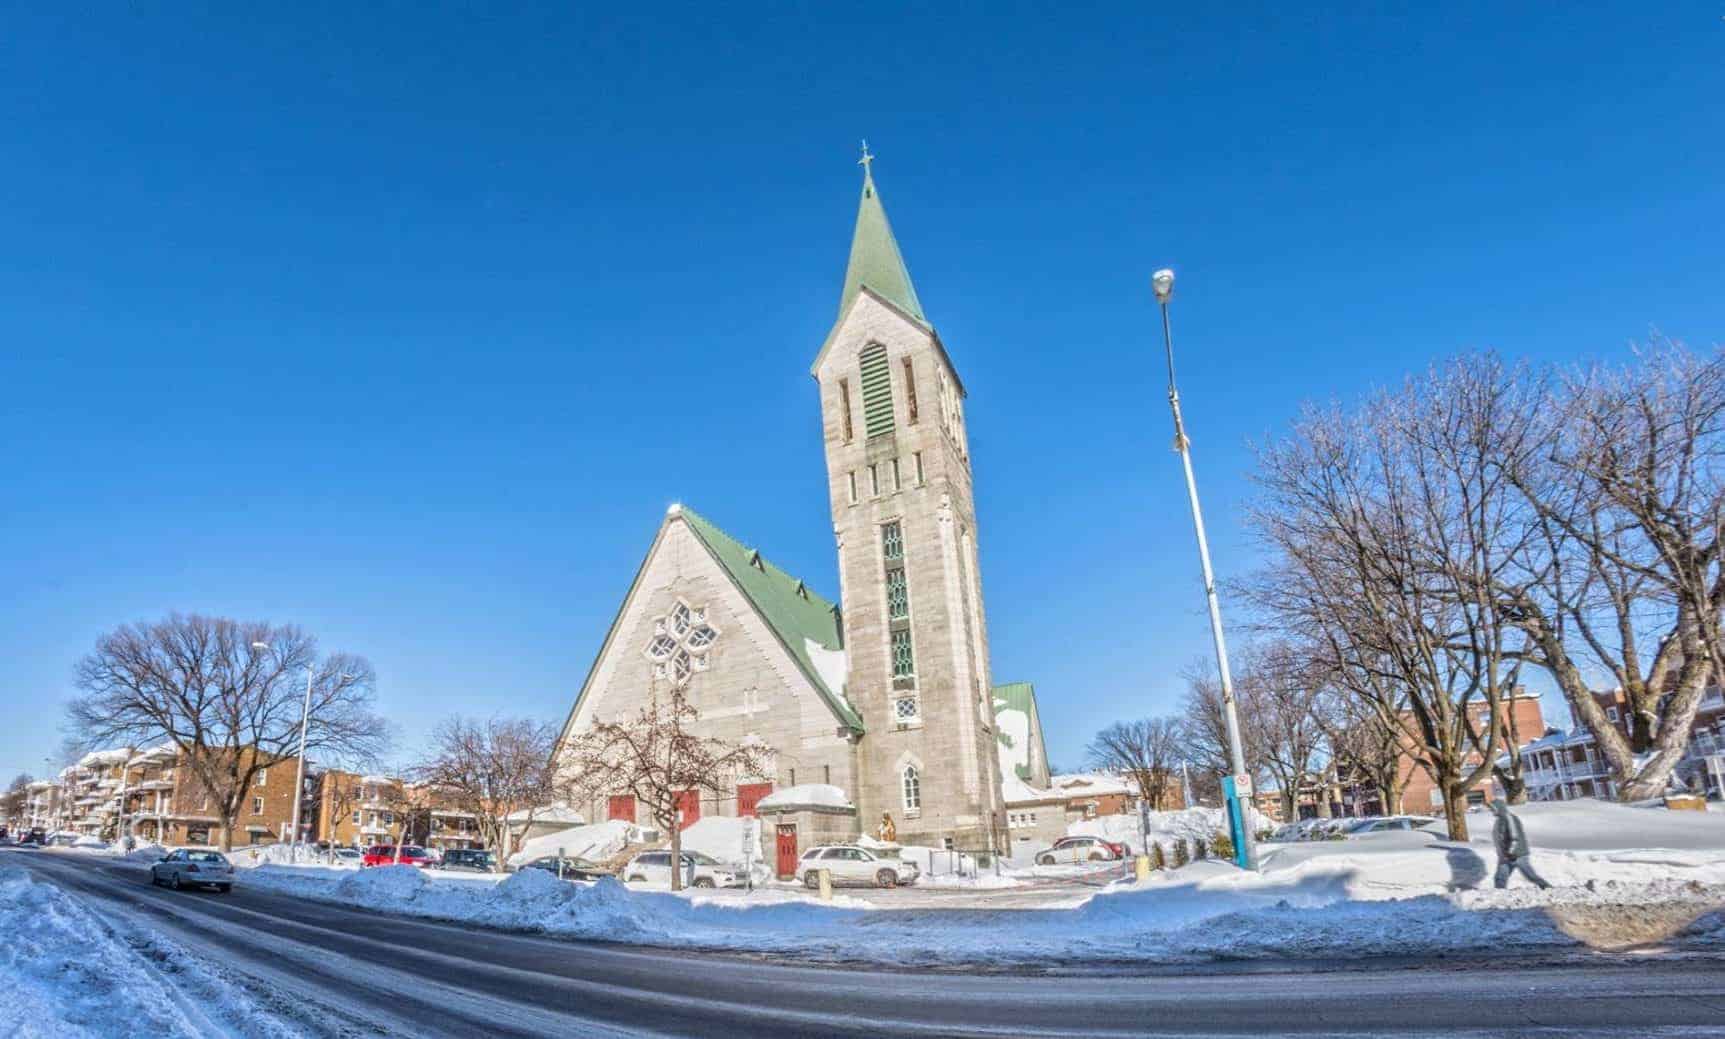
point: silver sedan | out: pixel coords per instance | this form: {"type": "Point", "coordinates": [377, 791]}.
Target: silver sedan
{"type": "Point", "coordinates": [193, 868]}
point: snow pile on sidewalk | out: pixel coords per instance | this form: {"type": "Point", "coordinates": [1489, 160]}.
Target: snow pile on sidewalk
{"type": "Point", "coordinates": [595, 842]}
{"type": "Point", "coordinates": [64, 974]}
{"type": "Point", "coordinates": [1396, 893]}
{"type": "Point", "coordinates": [1186, 824]}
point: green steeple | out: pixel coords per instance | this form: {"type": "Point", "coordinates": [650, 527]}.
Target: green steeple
{"type": "Point", "coordinates": [875, 259]}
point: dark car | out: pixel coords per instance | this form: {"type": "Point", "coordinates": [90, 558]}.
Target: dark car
{"type": "Point", "coordinates": [569, 869]}
{"type": "Point", "coordinates": [467, 860]}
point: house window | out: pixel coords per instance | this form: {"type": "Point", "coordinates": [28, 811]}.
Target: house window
{"type": "Point", "coordinates": [873, 480]}
{"type": "Point", "coordinates": [1611, 712]}
{"type": "Point", "coordinates": [851, 478]}
{"type": "Point", "coordinates": [897, 480]}
{"type": "Point", "coordinates": [356, 818]}
{"type": "Point", "coordinates": [905, 710]}
{"type": "Point", "coordinates": [263, 774]}
{"type": "Point", "coordinates": [257, 806]}
{"type": "Point", "coordinates": [909, 392]}
{"type": "Point", "coordinates": [897, 597]}
{"type": "Point", "coordinates": [845, 398]}
{"type": "Point", "coordinates": [912, 789]}
{"type": "Point", "coordinates": [918, 457]}
{"type": "Point", "coordinates": [876, 391]}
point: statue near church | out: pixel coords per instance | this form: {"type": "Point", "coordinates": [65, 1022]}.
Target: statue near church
{"type": "Point", "coordinates": [888, 830]}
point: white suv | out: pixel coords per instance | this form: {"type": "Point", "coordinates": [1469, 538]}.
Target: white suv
{"type": "Point", "coordinates": [654, 867]}
{"type": "Point", "coordinates": [852, 865]}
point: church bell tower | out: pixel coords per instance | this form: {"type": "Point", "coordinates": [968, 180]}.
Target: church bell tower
{"type": "Point", "coordinates": [899, 478]}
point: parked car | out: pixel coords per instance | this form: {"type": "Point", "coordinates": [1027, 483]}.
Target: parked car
{"type": "Point", "coordinates": [1082, 849]}
{"type": "Point", "coordinates": [654, 867]}
{"type": "Point", "coordinates": [852, 865]}
{"type": "Point", "coordinates": [1392, 824]}
{"type": "Point", "coordinates": [571, 868]}
{"type": "Point", "coordinates": [191, 867]}
{"type": "Point", "coordinates": [385, 855]}
{"type": "Point", "coordinates": [347, 857]}
{"type": "Point", "coordinates": [467, 860]}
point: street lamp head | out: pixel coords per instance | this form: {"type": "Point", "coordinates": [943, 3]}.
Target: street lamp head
{"type": "Point", "coordinates": [1162, 282]}
{"type": "Point", "coordinates": [260, 645]}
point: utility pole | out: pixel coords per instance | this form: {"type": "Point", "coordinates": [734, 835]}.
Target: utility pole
{"type": "Point", "coordinates": [1238, 785]}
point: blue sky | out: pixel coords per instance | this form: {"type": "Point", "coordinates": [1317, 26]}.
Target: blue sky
{"type": "Point", "coordinates": [406, 325]}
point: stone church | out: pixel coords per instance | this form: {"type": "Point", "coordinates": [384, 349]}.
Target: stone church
{"type": "Point", "coordinates": [886, 695]}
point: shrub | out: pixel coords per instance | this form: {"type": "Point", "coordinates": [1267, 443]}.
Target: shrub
{"type": "Point", "coordinates": [1200, 850]}
{"type": "Point", "coordinates": [1222, 845]}
{"type": "Point", "coordinates": [1157, 859]}
{"type": "Point", "coordinates": [1180, 854]}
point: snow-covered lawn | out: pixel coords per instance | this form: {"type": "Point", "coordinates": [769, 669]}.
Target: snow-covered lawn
{"type": "Point", "coordinates": [1406, 893]}
{"type": "Point", "coordinates": [64, 973]}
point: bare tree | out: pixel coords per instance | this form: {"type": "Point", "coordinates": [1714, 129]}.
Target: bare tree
{"type": "Point", "coordinates": [1386, 528]}
{"type": "Point", "coordinates": [655, 757]}
{"type": "Point", "coordinates": [1148, 751]}
{"type": "Point", "coordinates": [16, 794]}
{"type": "Point", "coordinates": [1364, 748]}
{"type": "Point", "coordinates": [229, 707]}
{"type": "Point", "coordinates": [492, 769]}
{"type": "Point", "coordinates": [338, 794]}
{"type": "Point", "coordinates": [1281, 733]}
{"type": "Point", "coordinates": [1620, 470]}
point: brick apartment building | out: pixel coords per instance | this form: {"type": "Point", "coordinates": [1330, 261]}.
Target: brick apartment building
{"type": "Point", "coordinates": [351, 810]}
{"type": "Point", "coordinates": [153, 797]}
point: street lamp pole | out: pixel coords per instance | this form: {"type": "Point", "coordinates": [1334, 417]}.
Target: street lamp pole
{"type": "Point", "coordinates": [299, 773]}
{"type": "Point", "coordinates": [1239, 785]}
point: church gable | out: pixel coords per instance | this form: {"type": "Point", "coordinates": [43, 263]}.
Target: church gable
{"type": "Point", "coordinates": [741, 636]}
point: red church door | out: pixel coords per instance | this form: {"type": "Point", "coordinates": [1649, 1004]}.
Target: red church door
{"type": "Point", "coordinates": [688, 808]}
{"type": "Point", "coordinates": [749, 795]}
{"type": "Point", "coordinates": [621, 806]}
{"type": "Point", "coordinates": [787, 848]}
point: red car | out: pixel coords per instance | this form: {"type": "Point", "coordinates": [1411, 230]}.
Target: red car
{"type": "Point", "coordinates": [385, 855]}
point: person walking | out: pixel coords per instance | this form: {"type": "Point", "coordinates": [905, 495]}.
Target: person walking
{"type": "Point", "coordinates": [1512, 851]}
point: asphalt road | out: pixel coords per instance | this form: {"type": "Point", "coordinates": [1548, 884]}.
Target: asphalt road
{"type": "Point", "coordinates": [348, 972]}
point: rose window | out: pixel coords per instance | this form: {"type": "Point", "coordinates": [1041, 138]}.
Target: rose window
{"type": "Point", "coordinates": [680, 642]}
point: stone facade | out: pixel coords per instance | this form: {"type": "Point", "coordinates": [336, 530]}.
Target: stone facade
{"type": "Point", "coordinates": [914, 476]}
{"type": "Point", "coordinates": [888, 699]}
{"type": "Point", "coordinates": [750, 688]}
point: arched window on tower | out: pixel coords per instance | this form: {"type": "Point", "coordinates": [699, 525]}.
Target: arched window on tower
{"type": "Point", "coordinates": [912, 789]}
{"type": "Point", "coordinates": [876, 391]}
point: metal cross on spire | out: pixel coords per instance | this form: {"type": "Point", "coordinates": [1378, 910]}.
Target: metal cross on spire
{"type": "Point", "coordinates": [866, 159]}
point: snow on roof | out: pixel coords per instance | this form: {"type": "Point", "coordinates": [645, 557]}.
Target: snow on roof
{"type": "Point", "coordinates": [830, 664]}
{"type": "Point", "coordinates": [105, 757]}
{"type": "Point", "coordinates": [1016, 791]}
{"type": "Point", "coordinates": [1079, 784]}
{"type": "Point", "coordinates": [161, 751]}
{"type": "Point", "coordinates": [552, 813]}
{"type": "Point", "coordinates": [809, 795]}
{"type": "Point", "coordinates": [377, 780]}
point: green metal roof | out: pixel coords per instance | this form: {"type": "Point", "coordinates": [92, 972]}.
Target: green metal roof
{"type": "Point", "coordinates": [1019, 696]}
{"type": "Point", "coordinates": [796, 615]}
{"type": "Point", "coordinates": [875, 259]}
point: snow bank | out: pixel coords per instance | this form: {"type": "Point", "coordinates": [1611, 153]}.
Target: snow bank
{"type": "Point", "coordinates": [64, 974]}
{"type": "Point", "coordinates": [595, 841]}
{"type": "Point", "coordinates": [1188, 824]}
{"type": "Point", "coordinates": [1321, 907]}
{"type": "Point", "coordinates": [724, 838]}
